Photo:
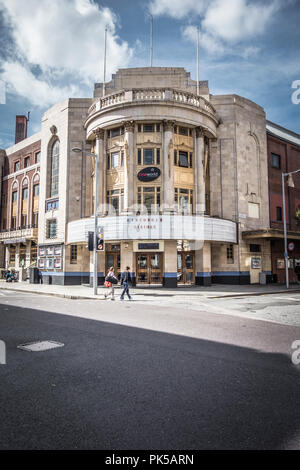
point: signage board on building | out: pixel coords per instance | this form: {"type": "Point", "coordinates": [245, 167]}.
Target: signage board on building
{"type": "Point", "coordinates": [150, 173]}
{"type": "Point", "coordinates": [256, 262]}
{"type": "Point", "coordinates": [148, 246]}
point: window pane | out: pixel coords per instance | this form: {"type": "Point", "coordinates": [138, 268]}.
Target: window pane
{"type": "Point", "coordinates": [38, 157]}
{"type": "Point", "coordinates": [115, 160]}
{"type": "Point", "coordinates": [158, 156]}
{"type": "Point", "coordinates": [148, 157]}
{"type": "Point", "coordinates": [139, 156]}
{"type": "Point", "coordinates": [183, 159]}
{"type": "Point", "coordinates": [148, 128]}
{"type": "Point", "coordinates": [115, 132]}
{"type": "Point", "coordinates": [275, 160]}
{"type": "Point", "coordinates": [183, 131]}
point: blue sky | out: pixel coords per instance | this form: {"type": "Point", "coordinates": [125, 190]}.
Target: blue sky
{"type": "Point", "coordinates": [53, 49]}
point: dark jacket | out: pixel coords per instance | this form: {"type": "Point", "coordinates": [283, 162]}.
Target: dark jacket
{"type": "Point", "coordinates": [126, 277]}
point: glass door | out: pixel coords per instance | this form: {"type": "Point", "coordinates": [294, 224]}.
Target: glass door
{"type": "Point", "coordinates": [149, 268]}
{"type": "Point", "coordinates": [185, 267]}
{"type": "Point", "coordinates": [142, 269]}
{"type": "Point", "coordinates": [113, 259]}
{"type": "Point", "coordinates": [155, 268]}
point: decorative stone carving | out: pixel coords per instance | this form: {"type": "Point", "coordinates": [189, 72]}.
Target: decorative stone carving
{"type": "Point", "coordinates": [169, 126]}
{"type": "Point", "coordinates": [53, 130]}
{"type": "Point", "coordinates": [99, 133]}
{"type": "Point", "coordinates": [129, 126]}
{"type": "Point", "coordinates": [200, 132]}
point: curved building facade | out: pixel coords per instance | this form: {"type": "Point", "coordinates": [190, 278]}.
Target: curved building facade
{"type": "Point", "coordinates": [181, 177]}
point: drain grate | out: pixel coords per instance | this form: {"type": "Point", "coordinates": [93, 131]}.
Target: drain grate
{"type": "Point", "coordinates": [40, 346]}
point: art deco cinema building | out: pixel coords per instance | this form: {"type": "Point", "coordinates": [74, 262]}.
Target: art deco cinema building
{"type": "Point", "coordinates": [181, 177]}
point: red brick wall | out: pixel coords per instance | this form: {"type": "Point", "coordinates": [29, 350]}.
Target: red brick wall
{"type": "Point", "coordinates": [20, 155]}
{"type": "Point", "coordinates": [290, 161]}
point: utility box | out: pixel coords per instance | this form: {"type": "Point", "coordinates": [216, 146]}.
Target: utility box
{"type": "Point", "coordinates": [34, 276]}
{"type": "Point", "coordinates": [262, 278]}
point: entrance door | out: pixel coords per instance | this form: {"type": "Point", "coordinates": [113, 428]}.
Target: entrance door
{"type": "Point", "coordinates": [186, 267]}
{"type": "Point", "coordinates": [113, 259]}
{"type": "Point", "coordinates": [149, 268]}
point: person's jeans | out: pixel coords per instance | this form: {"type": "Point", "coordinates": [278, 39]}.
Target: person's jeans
{"type": "Point", "coordinates": [125, 290]}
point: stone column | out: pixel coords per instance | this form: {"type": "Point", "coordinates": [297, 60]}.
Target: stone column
{"type": "Point", "coordinates": [170, 263]}
{"type": "Point", "coordinates": [199, 172]}
{"type": "Point", "coordinates": [203, 265]}
{"type": "Point", "coordinates": [129, 158]}
{"type": "Point", "coordinates": [101, 174]}
{"type": "Point", "coordinates": [168, 167]}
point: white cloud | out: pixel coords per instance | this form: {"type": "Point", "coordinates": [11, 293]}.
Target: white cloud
{"type": "Point", "coordinates": [208, 42]}
{"type": "Point", "coordinates": [223, 23]}
{"type": "Point", "coordinates": [21, 80]}
{"type": "Point", "coordinates": [65, 38]}
{"type": "Point", "coordinates": [235, 20]}
{"type": "Point", "coordinates": [177, 8]}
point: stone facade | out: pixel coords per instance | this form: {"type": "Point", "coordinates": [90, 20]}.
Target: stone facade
{"type": "Point", "coordinates": [200, 162]}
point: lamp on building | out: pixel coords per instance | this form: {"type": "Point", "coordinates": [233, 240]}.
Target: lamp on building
{"type": "Point", "coordinates": [95, 280]}
{"type": "Point", "coordinates": [291, 184]}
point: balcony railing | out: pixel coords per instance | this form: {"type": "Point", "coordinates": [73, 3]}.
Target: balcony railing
{"type": "Point", "coordinates": [152, 94]}
{"type": "Point", "coordinates": [28, 232]}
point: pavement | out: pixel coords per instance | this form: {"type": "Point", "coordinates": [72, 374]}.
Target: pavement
{"type": "Point", "coordinates": [145, 375]}
{"type": "Point", "coordinates": [214, 291]}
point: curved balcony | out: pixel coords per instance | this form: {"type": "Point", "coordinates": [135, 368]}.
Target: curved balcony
{"type": "Point", "coordinates": [144, 96]}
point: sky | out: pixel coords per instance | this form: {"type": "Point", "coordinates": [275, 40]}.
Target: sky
{"type": "Point", "coordinates": [51, 50]}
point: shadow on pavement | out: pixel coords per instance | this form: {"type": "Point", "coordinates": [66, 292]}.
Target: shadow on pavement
{"type": "Point", "coordinates": [119, 387]}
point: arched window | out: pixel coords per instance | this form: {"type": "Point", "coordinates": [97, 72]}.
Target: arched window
{"type": "Point", "coordinates": [54, 169]}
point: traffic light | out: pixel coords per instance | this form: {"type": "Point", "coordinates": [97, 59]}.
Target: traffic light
{"type": "Point", "coordinates": [90, 241]}
{"type": "Point", "coordinates": [100, 239]}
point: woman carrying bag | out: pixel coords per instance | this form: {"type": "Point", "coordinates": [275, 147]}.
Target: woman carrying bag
{"type": "Point", "coordinates": [110, 281]}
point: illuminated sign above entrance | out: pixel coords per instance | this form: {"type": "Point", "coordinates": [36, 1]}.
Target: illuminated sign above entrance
{"type": "Point", "coordinates": [150, 173]}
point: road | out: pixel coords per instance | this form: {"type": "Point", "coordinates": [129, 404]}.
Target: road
{"type": "Point", "coordinates": [146, 375]}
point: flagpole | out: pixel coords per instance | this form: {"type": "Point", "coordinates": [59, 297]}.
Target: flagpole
{"type": "Point", "coordinates": [151, 33]}
{"type": "Point", "coordinates": [104, 62]}
{"type": "Point", "coordinates": [197, 60]}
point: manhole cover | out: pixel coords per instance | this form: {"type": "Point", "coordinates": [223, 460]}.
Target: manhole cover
{"type": "Point", "coordinates": [40, 345]}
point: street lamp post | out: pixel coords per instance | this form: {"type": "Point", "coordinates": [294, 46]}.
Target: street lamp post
{"type": "Point", "coordinates": [96, 156]}
{"type": "Point", "coordinates": [286, 258]}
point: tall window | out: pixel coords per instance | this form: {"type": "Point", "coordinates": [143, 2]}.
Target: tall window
{"type": "Point", "coordinates": [184, 159]}
{"type": "Point", "coordinates": [73, 257]}
{"type": "Point", "coordinates": [184, 200]}
{"type": "Point", "coordinates": [115, 200]}
{"type": "Point", "coordinates": [275, 160]}
{"type": "Point", "coordinates": [38, 157]}
{"type": "Point", "coordinates": [54, 170]}
{"type": "Point", "coordinates": [51, 228]}
{"type": "Point", "coordinates": [230, 253]}
{"type": "Point", "coordinates": [149, 198]}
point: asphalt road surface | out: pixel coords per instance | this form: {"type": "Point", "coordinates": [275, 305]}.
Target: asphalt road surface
{"type": "Point", "coordinates": [136, 375]}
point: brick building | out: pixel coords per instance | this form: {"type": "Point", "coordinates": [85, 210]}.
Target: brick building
{"type": "Point", "coordinates": [284, 157]}
{"type": "Point", "coordinates": [20, 204]}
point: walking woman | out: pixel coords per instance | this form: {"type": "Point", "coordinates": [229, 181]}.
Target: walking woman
{"type": "Point", "coordinates": [110, 280]}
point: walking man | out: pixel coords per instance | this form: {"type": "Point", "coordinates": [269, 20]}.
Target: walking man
{"type": "Point", "coordinates": [125, 280]}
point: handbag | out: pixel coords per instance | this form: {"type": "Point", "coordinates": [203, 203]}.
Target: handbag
{"type": "Point", "coordinates": [111, 279]}
{"type": "Point", "coordinates": [107, 284]}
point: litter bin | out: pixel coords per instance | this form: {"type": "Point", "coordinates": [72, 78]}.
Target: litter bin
{"type": "Point", "coordinates": [34, 276]}
{"type": "Point", "coordinates": [262, 278]}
